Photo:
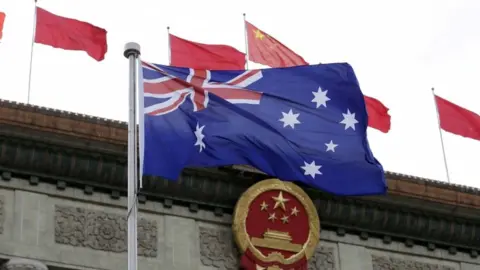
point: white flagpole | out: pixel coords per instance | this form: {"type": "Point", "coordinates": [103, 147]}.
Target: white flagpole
{"type": "Point", "coordinates": [132, 52]}
{"type": "Point", "coordinates": [141, 125]}
{"type": "Point", "coordinates": [246, 39]}
{"type": "Point", "coordinates": [31, 49]}
{"type": "Point", "coordinates": [441, 136]}
{"type": "Point", "coordinates": [169, 46]}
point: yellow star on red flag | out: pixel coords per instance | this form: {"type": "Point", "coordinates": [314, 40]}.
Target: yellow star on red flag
{"type": "Point", "coordinates": [259, 34]}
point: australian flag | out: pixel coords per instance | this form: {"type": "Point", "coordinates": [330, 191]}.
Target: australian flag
{"type": "Point", "coordinates": [305, 123]}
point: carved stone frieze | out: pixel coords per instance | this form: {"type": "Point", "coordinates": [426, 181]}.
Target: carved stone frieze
{"type": "Point", "coordinates": [99, 230]}
{"type": "Point", "coordinates": [217, 249]}
{"type": "Point", "coordinates": [323, 258]}
{"type": "Point", "coordinates": [23, 264]}
{"type": "Point", "coordinates": [2, 213]}
{"type": "Point", "coordinates": [392, 263]}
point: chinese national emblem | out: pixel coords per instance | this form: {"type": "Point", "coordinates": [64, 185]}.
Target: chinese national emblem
{"type": "Point", "coordinates": [276, 226]}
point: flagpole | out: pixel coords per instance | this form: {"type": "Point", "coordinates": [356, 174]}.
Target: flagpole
{"type": "Point", "coordinates": [169, 47]}
{"type": "Point", "coordinates": [31, 49]}
{"type": "Point", "coordinates": [441, 136]}
{"type": "Point", "coordinates": [132, 53]}
{"type": "Point", "coordinates": [246, 38]}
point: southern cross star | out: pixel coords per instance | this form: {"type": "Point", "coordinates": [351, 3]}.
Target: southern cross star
{"type": "Point", "coordinates": [290, 119]}
{"type": "Point", "coordinates": [320, 97]}
{"type": "Point", "coordinates": [311, 169]}
{"type": "Point", "coordinates": [200, 136]}
{"type": "Point", "coordinates": [331, 146]}
{"type": "Point", "coordinates": [349, 120]}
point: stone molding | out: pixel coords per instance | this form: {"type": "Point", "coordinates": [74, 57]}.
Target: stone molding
{"type": "Point", "coordinates": [218, 250]}
{"type": "Point", "coordinates": [23, 264]}
{"type": "Point", "coordinates": [100, 230]}
{"type": "Point", "coordinates": [323, 258]}
{"type": "Point", "coordinates": [101, 167]}
{"type": "Point", "coordinates": [392, 263]}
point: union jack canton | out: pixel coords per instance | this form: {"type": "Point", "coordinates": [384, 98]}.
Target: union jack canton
{"type": "Point", "coordinates": [171, 92]}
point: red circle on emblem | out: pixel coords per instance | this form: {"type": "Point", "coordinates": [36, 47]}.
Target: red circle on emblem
{"type": "Point", "coordinates": [277, 222]}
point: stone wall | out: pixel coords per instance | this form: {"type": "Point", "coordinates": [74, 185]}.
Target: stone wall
{"type": "Point", "coordinates": [71, 228]}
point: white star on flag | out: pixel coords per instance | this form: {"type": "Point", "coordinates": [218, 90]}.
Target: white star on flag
{"type": "Point", "coordinates": [331, 146]}
{"type": "Point", "coordinates": [311, 169]}
{"type": "Point", "coordinates": [290, 119]}
{"type": "Point", "coordinates": [200, 136]}
{"type": "Point", "coordinates": [320, 97]}
{"type": "Point", "coordinates": [349, 120]}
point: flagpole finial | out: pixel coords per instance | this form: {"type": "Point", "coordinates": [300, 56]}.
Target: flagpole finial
{"type": "Point", "coordinates": [433, 89]}
{"type": "Point", "coordinates": [168, 27]}
{"type": "Point", "coordinates": [131, 48]}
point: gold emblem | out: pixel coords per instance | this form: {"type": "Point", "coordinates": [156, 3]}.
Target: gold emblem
{"type": "Point", "coordinates": [283, 234]}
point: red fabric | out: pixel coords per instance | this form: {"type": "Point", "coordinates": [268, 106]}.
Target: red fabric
{"type": "Point", "coordinates": [378, 117]}
{"type": "Point", "coordinates": [185, 53]}
{"type": "Point", "coordinates": [2, 20]}
{"type": "Point", "coordinates": [70, 34]}
{"type": "Point", "coordinates": [257, 223]}
{"type": "Point", "coordinates": [458, 120]}
{"type": "Point", "coordinates": [264, 49]}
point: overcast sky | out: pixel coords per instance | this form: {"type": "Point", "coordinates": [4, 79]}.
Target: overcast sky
{"type": "Point", "coordinates": [399, 50]}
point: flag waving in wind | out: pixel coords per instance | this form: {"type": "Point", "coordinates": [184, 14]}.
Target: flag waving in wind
{"type": "Point", "coordinates": [70, 34]}
{"type": "Point", "coordinates": [266, 50]}
{"type": "Point", "coordinates": [186, 53]}
{"type": "Point", "coordinates": [315, 134]}
{"type": "Point", "coordinates": [2, 20]}
{"type": "Point", "coordinates": [458, 120]}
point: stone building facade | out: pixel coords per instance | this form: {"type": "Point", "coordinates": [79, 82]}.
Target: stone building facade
{"type": "Point", "coordinates": [63, 204]}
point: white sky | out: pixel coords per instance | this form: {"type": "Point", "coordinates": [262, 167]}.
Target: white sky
{"type": "Point", "coordinates": [399, 50]}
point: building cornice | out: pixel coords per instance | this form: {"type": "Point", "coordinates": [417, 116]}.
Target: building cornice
{"type": "Point", "coordinates": [67, 149]}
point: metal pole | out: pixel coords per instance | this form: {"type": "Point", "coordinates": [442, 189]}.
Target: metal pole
{"type": "Point", "coordinates": [31, 49]}
{"type": "Point", "coordinates": [132, 52]}
{"type": "Point", "coordinates": [246, 39]}
{"type": "Point", "coordinates": [441, 136]}
{"type": "Point", "coordinates": [141, 125]}
{"type": "Point", "coordinates": [169, 47]}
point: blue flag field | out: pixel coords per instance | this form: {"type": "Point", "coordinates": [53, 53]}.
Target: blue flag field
{"type": "Point", "coordinates": [306, 124]}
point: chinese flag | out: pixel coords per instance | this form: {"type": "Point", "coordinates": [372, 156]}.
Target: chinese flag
{"type": "Point", "coordinates": [458, 120]}
{"type": "Point", "coordinates": [185, 53]}
{"type": "Point", "coordinates": [70, 34]}
{"type": "Point", "coordinates": [378, 117]}
{"type": "Point", "coordinates": [2, 20]}
{"type": "Point", "coordinates": [265, 50]}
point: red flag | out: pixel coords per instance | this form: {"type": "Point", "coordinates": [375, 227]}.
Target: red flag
{"type": "Point", "coordinates": [70, 34]}
{"type": "Point", "coordinates": [2, 20]}
{"type": "Point", "coordinates": [185, 53]}
{"type": "Point", "coordinates": [264, 49]}
{"type": "Point", "coordinates": [458, 120]}
{"type": "Point", "coordinates": [378, 117]}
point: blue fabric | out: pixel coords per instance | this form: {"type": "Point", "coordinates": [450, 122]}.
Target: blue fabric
{"type": "Point", "coordinates": [217, 121]}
